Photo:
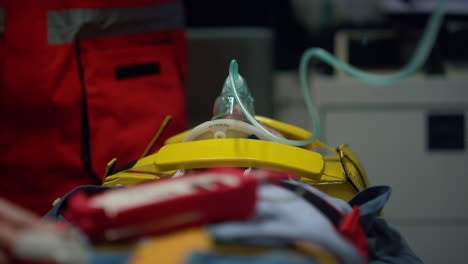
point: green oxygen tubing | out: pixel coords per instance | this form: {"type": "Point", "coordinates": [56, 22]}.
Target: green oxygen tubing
{"type": "Point", "coordinates": [419, 57]}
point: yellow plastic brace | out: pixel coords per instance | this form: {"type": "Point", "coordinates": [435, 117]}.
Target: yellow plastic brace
{"type": "Point", "coordinates": [331, 174]}
{"type": "Point", "coordinates": [232, 152]}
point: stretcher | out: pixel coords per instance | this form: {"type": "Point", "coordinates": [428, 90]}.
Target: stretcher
{"type": "Point", "coordinates": [339, 174]}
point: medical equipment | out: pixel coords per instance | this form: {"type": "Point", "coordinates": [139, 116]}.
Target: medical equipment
{"type": "Point", "coordinates": [221, 194]}
{"type": "Point", "coordinates": [227, 106]}
{"type": "Point", "coordinates": [230, 140]}
{"type": "Point", "coordinates": [340, 175]}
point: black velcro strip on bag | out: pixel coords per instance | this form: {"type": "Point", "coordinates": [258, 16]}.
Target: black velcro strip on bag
{"type": "Point", "coordinates": [136, 70]}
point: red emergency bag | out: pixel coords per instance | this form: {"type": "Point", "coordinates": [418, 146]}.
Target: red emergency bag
{"type": "Point", "coordinates": [83, 82]}
{"type": "Point", "coordinates": [170, 204]}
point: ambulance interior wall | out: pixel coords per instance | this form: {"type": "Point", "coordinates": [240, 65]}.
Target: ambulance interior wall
{"type": "Point", "coordinates": [413, 137]}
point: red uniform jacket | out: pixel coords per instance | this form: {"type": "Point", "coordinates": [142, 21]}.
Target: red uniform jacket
{"type": "Point", "coordinates": [82, 82]}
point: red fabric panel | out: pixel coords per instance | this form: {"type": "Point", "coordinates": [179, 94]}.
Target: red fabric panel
{"type": "Point", "coordinates": [39, 113]}
{"type": "Point", "coordinates": [125, 114]}
{"type": "Point", "coordinates": [41, 103]}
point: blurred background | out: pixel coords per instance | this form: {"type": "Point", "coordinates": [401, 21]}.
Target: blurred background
{"type": "Point", "coordinates": [411, 136]}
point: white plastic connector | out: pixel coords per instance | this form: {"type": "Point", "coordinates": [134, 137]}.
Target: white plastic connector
{"type": "Point", "coordinates": [224, 128]}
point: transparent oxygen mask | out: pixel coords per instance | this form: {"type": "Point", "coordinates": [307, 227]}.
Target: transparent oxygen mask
{"type": "Point", "coordinates": [226, 106]}
{"type": "Point", "coordinates": [234, 116]}
{"type": "Point", "coordinates": [230, 119]}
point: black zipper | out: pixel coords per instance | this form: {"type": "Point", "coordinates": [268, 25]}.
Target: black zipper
{"type": "Point", "coordinates": [85, 146]}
